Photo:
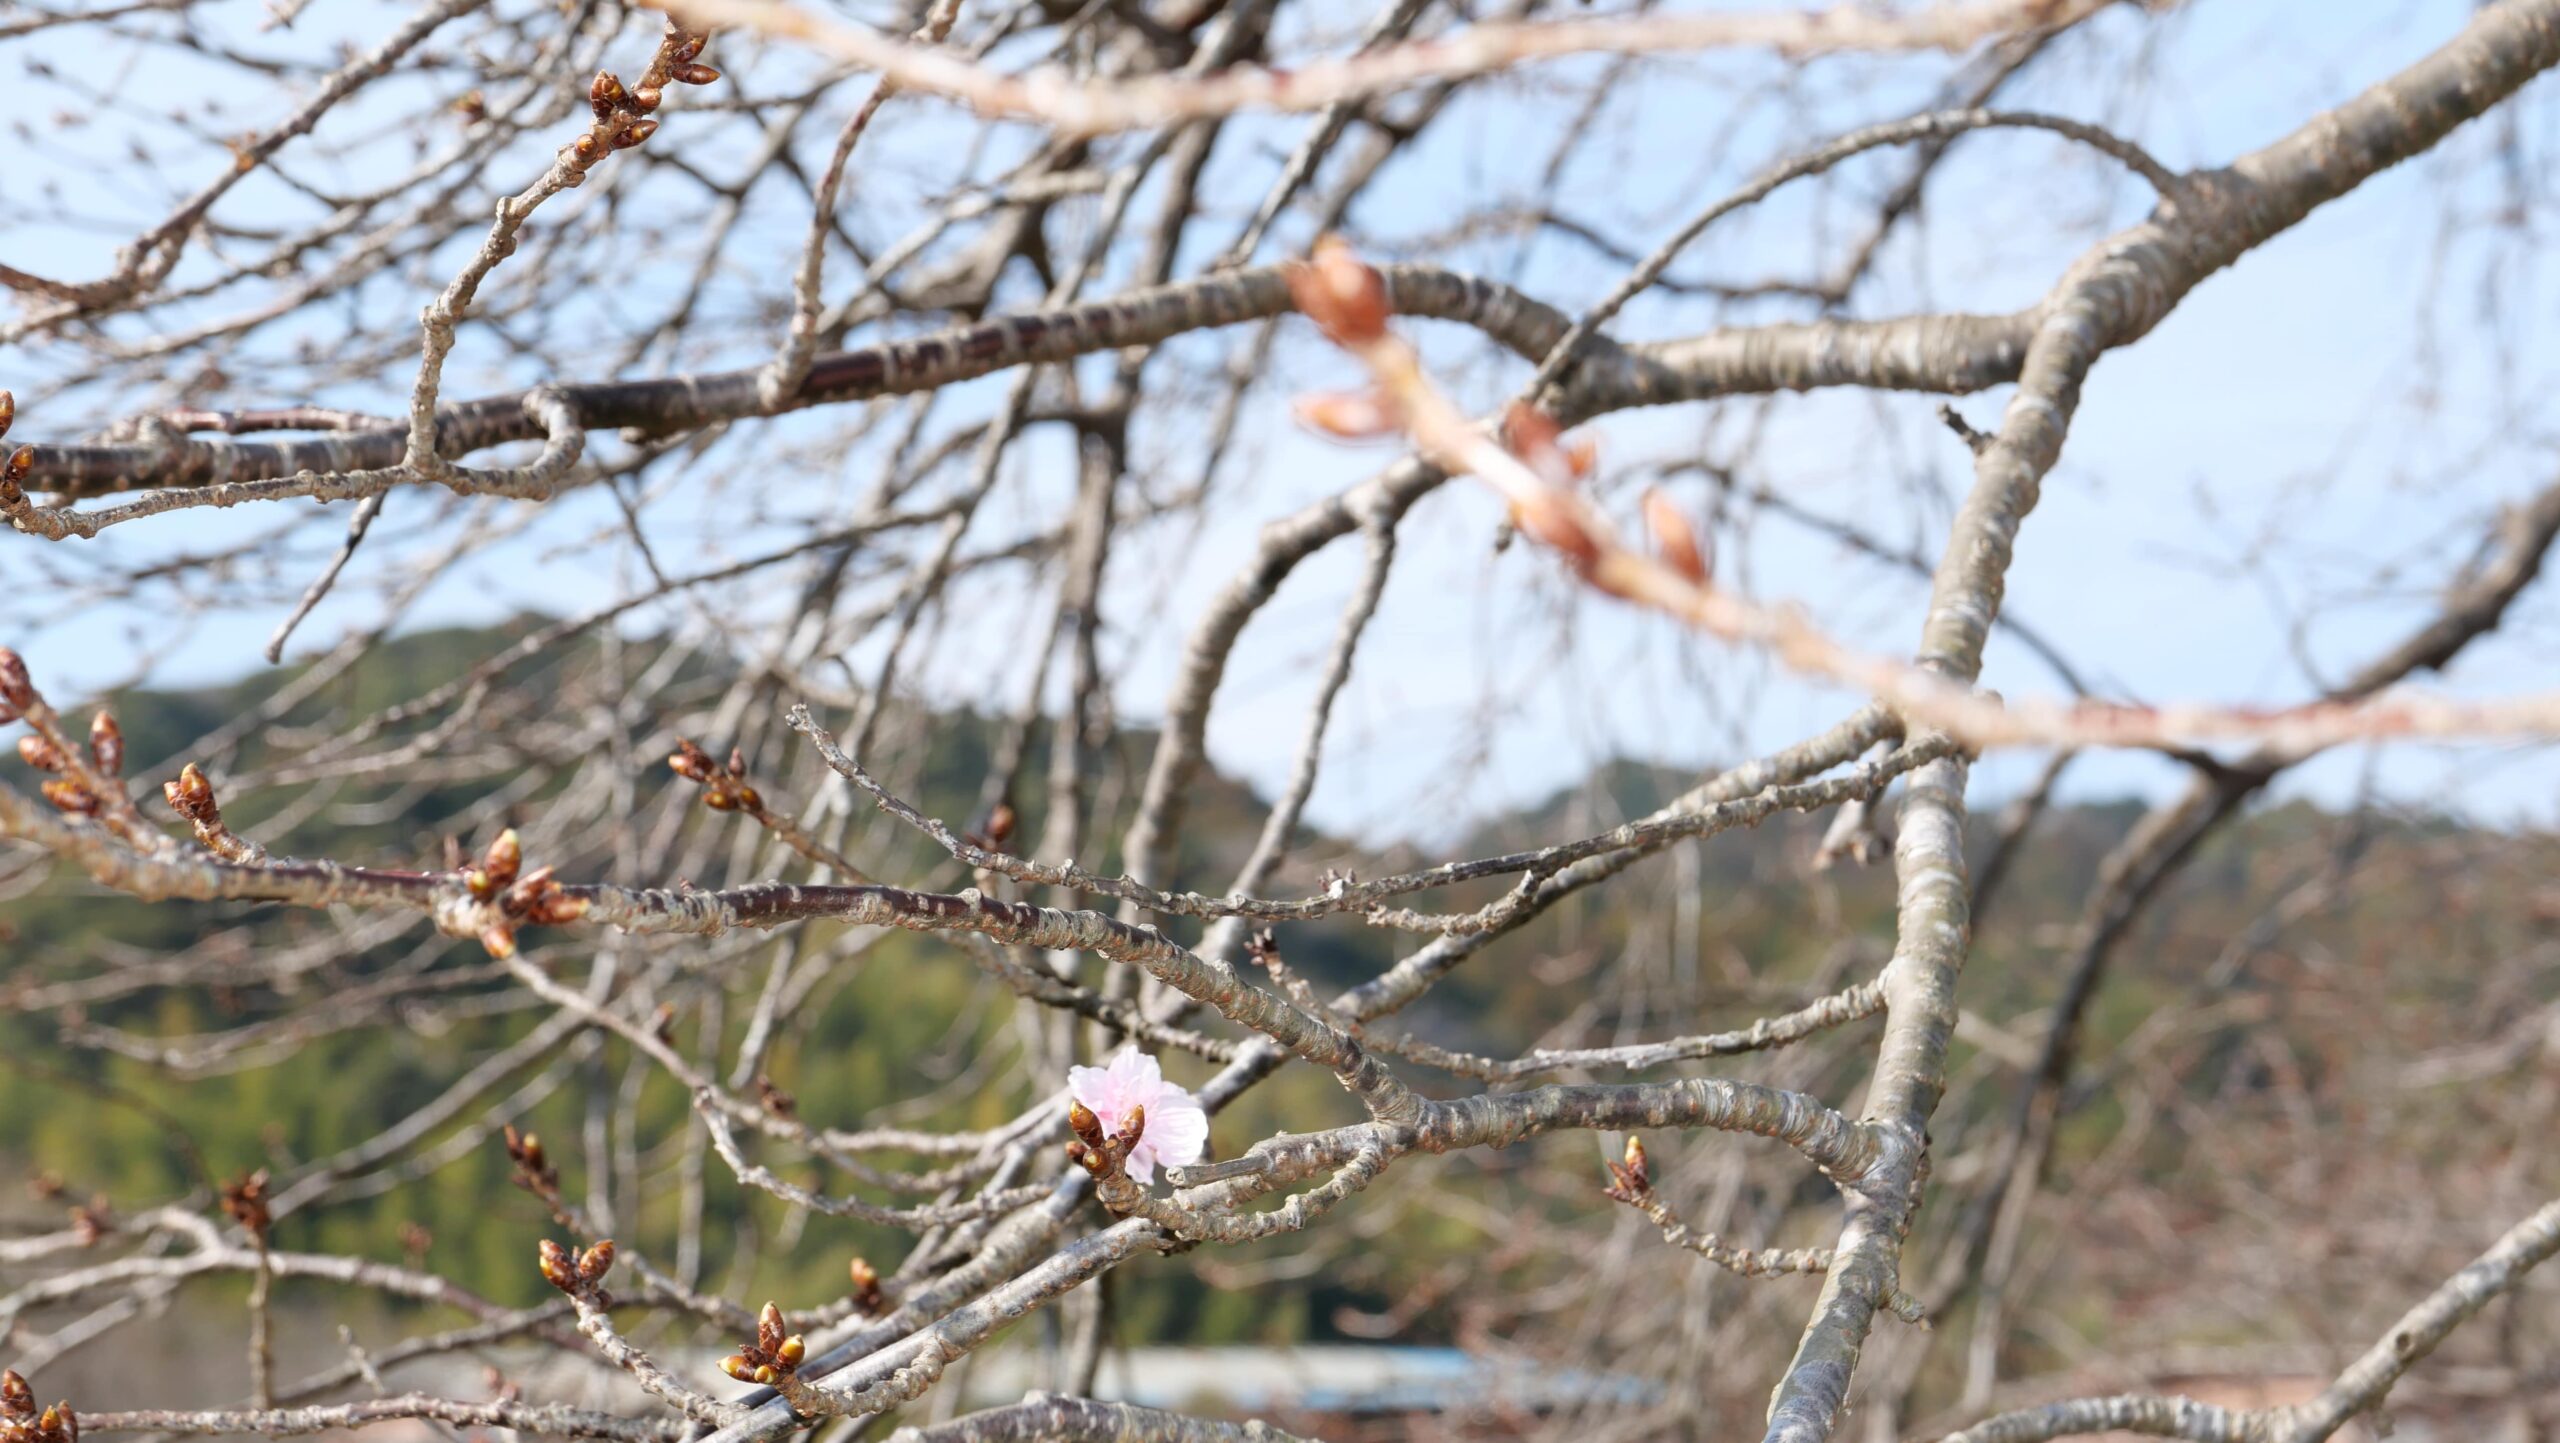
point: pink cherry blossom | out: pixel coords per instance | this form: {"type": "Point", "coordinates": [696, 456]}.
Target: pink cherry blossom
{"type": "Point", "coordinates": [1177, 1130]}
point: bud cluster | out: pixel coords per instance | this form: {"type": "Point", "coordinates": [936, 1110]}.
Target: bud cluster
{"type": "Point", "coordinates": [775, 1355]}
{"type": "Point", "coordinates": [724, 788]}
{"type": "Point", "coordinates": [1104, 1155]}
{"type": "Point", "coordinates": [531, 1169]}
{"type": "Point", "coordinates": [578, 1271]}
{"type": "Point", "coordinates": [1631, 1181]}
{"type": "Point", "coordinates": [522, 898]}
{"type": "Point", "coordinates": [22, 1422]}
{"type": "Point", "coordinates": [245, 1203]}
{"type": "Point", "coordinates": [79, 777]}
{"type": "Point", "coordinates": [624, 113]}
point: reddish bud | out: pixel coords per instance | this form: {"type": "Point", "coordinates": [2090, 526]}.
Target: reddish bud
{"type": "Point", "coordinates": [1341, 294]}
{"type": "Point", "coordinates": [737, 1366]}
{"type": "Point", "coordinates": [769, 1327]}
{"type": "Point", "coordinates": [596, 1261]}
{"type": "Point", "coordinates": [16, 1399]}
{"type": "Point", "coordinates": [191, 795]}
{"type": "Point", "coordinates": [40, 754]}
{"type": "Point", "coordinates": [1082, 1121]}
{"type": "Point", "coordinates": [646, 97]}
{"type": "Point", "coordinates": [1534, 437]}
{"type": "Point", "coordinates": [1682, 550]}
{"type": "Point", "coordinates": [639, 133]}
{"type": "Point", "coordinates": [8, 411]}
{"type": "Point", "coordinates": [696, 74]}
{"type": "Point", "coordinates": [687, 48]}
{"type": "Point", "coordinates": [606, 95]}
{"type": "Point", "coordinates": [106, 744]}
{"type": "Point", "coordinates": [22, 462]}
{"type": "Point", "coordinates": [585, 147]}
{"type": "Point", "coordinates": [690, 762]}
{"type": "Point", "coordinates": [15, 687]}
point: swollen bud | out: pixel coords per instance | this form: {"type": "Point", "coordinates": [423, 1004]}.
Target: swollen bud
{"type": "Point", "coordinates": [769, 1327]}
{"type": "Point", "coordinates": [16, 688]}
{"type": "Point", "coordinates": [106, 744]}
{"type": "Point", "coordinates": [1084, 1123]}
{"type": "Point", "coordinates": [8, 412]}
{"type": "Point", "coordinates": [636, 135]}
{"type": "Point", "coordinates": [191, 795]}
{"type": "Point", "coordinates": [737, 1366]}
{"type": "Point", "coordinates": [16, 1398]}
{"type": "Point", "coordinates": [41, 754]}
{"type": "Point", "coordinates": [606, 95]}
{"type": "Point", "coordinates": [696, 74]}
{"type": "Point", "coordinates": [1341, 294]}
{"type": "Point", "coordinates": [557, 1269]}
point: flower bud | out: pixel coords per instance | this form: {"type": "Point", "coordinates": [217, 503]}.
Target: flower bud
{"type": "Point", "coordinates": [793, 1349]}
{"type": "Point", "coordinates": [646, 97]}
{"type": "Point", "coordinates": [41, 754]}
{"type": "Point", "coordinates": [16, 688]}
{"type": "Point", "coordinates": [556, 1267]}
{"type": "Point", "coordinates": [1341, 294]}
{"type": "Point", "coordinates": [606, 95]}
{"type": "Point", "coordinates": [106, 744]}
{"type": "Point", "coordinates": [8, 412]}
{"type": "Point", "coordinates": [736, 1366]}
{"type": "Point", "coordinates": [498, 941]}
{"type": "Point", "coordinates": [1084, 1123]}
{"type": "Point", "coordinates": [596, 1261]}
{"type": "Point", "coordinates": [16, 1398]}
{"type": "Point", "coordinates": [191, 795]}
{"type": "Point", "coordinates": [769, 1327]}
{"type": "Point", "coordinates": [22, 463]}
{"type": "Point", "coordinates": [638, 134]}
{"type": "Point", "coordinates": [696, 74]}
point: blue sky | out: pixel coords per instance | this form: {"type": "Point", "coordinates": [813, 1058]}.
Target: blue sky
{"type": "Point", "coordinates": [2354, 397]}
